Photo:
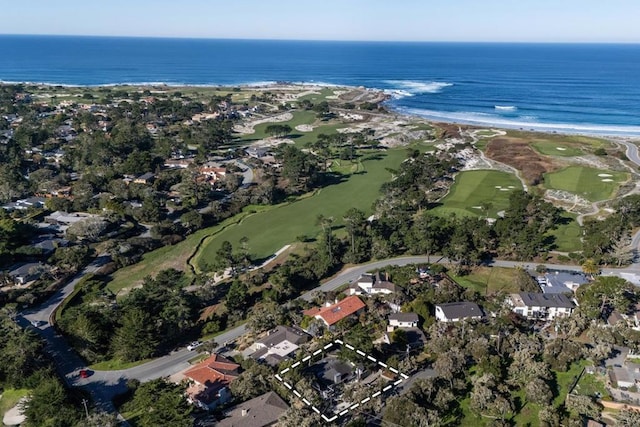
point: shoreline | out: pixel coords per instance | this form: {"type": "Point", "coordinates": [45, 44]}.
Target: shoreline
{"type": "Point", "coordinates": [570, 129]}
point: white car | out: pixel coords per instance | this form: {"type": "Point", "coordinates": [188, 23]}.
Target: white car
{"type": "Point", "coordinates": [194, 345]}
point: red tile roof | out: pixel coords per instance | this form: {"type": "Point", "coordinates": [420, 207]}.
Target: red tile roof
{"type": "Point", "coordinates": [215, 371]}
{"type": "Point", "coordinates": [336, 312]}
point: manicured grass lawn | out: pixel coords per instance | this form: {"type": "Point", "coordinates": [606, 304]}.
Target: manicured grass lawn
{"type": "Point", "coordinates": [10, 398]}
{"type": "Point", "coordinates": [116, 365]}
{"type": "Point", "coordinates": [568, 235]}
{"type": "Point", "coordinates": [175, 256]}
{"type": "Point", "coordinates": [552, 148]}
{"type": "Point", "coordinates": [271, 230]}
{"type": "Point", "coordinates": [586, 182]}
{"type": "Point", "coordinates": [473, 188]}
{"type": "Point", "coordinates": [489, 280]}
{"type": "Point", "coordinates": [320, 96]}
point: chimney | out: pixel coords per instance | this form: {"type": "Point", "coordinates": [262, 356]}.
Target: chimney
{"type": "Point", "coordinates": [245, 412]}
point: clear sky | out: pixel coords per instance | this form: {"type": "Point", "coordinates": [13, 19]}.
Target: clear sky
{"type": "Point", "coordinates": [410, 20]}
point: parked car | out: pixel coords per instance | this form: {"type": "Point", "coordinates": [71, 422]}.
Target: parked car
{"type": "Point", "coordinates": [194, 345]}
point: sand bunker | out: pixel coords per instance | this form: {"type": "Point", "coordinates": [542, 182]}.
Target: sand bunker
{"type": "Point", "coordinates": [304, 128]}
{"type": "Point", "coordinates": [604, 175]}
{"type": "Point", "coordinates": [607, 180]}
{"type": "Point", "coordinates": [561, 148]}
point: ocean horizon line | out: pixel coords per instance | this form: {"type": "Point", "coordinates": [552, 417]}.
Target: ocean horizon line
{"type": "Point", "coordinates": [337, 41]}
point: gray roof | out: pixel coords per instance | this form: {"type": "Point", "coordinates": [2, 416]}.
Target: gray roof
{"type": "Point", "coordinates": [460, 310]}
{"type": "Point", "coordinates": [546, 300]}
{"type": "Point", "coordinates": [282, 333]}
{"type": "Point", "coordinates": [404, 317]}
{"type": "Point", "coordinates": [147, 176]}
{"type": "Point", "coordinates": [26, 269]}
{"type": "Point", "coordinates": [261, 411]}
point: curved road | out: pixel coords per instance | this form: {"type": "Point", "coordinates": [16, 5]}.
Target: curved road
{"type": "Point", "coordinates": [104, 385]}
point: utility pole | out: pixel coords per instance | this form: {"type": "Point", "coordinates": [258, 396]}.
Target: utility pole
{"type": "Point", "coordinates": [86, 410]}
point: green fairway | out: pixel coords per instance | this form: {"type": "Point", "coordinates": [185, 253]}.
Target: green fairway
{"type": "Point", "coordinates": [301, 117]}
{"type": "Point", "coordinates": [558, 149]}
{"type": "Point", "coordinates": [271, 230]}
{"type": "Point", "coordinates": [474, 191]}
{"type": "Point", "coordinates": [590, 183]}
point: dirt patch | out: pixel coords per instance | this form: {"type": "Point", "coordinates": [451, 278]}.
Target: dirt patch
{"type": "Point", "coordinates": [518, 154]}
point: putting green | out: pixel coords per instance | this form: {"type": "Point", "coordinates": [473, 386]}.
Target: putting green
{"type": "Point", "coordinates": [479, 193]}
{"type": "Point", "coordinates": [590, 183]}
{"type": "Point", "coordinates": [556, 149]}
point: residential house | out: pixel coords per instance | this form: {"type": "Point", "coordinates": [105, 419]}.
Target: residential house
{"type": "Point", "coordinates": [333, 313]}
{"type": "Point", "coordinates": [209, 381]}
{"type": "Point", "coordinates": [402, 320]}
{"type": "Point", "coordinates": [370, 284]}
{"type": "Point", "coordinates": [146, 178]}
{"type": "Point", "coordinates": [23, 204]}
{"type": "Point", "coordinates": [456, 311]}
{"type": "Point", "coordinates": [278, 344]}
{"type": "Point", "coordinates": [261, 411]}
{"type": "Point", "coordinates": [213, 174]}
{"type": "Point", "coordinates": [182, 163]}
{"type": "Point", "coordinates": [559, 282]}
{"type": "Point", "coordinates": [48, 244]}
{"type": "Point", "coordinates": [257, 152]}
{"type": "Point", "coordinates": [26, 273]}
{"type": "Point", "coordinates": [332, 371]}
{"type": "Point", "coordinates": [541, 306]}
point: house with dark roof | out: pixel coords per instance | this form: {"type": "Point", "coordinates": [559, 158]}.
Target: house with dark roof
{"type": "Point", "coordinates": [209, 381]}
{"type": "Point", "coordinates": [456, 311]}
{"type": "Point", "coordinates": [261, 411]}
{"type": "Point", "coordinates": [25, 273]}
{"type": "Point", "coordinates": [402, 320]}
{"type": "Point", "coordinates": [331, 371]}
{"type": "Point", "coordinates": [541, 306]}
{"type": "Point", "coordinates": [369, 284]}
{"type": "Point", "coordinates": [146, 178]}
{"type": "Point", "coordinates": [333, 313]}
{"type": "Point", "coordinates": [278, 344]}
{"type": "Point", "coordinates": [559, 282]}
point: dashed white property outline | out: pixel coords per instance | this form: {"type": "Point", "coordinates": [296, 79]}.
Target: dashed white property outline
{"type": "Point", "coordinates": [355, 405]}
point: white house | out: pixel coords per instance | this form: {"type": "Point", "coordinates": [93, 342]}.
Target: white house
{"type": "Point", "coordinates": [541, 306]}
{"type": "Point", "coordinates": [402, 320]}
{"type": "Point", "coordinates": [369, 284]}
{"type": "Point", "coordinates": [456, 311]}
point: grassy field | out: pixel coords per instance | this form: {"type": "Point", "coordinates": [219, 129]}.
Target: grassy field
{"type": "Point", "coordinates": [552, 148]}
{"type": "Point", "coordinates": [489, 280]}
{"type": "Point", "coordinates": [271, 230]}
{"type": "Point", "coordinates": [473, 188]}
{"type": "Point", "coordinates": [586, 182]}
{"type": "Point", "coordinates": [10, 398]}
{"type": "Point", "coordinates": [568, 235]}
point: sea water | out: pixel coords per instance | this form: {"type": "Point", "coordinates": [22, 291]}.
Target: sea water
{"type": "Point", "coordinates": [574, 88]}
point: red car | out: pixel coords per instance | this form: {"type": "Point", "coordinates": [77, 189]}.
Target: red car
{"type": "Point", "coordinates": [84, 373]}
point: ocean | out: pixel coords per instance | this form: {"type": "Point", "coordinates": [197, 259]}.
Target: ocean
{"type": "Point", "coordinates": [571, 88]}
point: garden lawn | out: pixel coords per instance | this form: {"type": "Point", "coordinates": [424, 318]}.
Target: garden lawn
{"type": "Point", "coordinates": [489, 280]}
{"type": "Point", "coordinates": [270, 230]}
{"type": "Point", "coordinates": [557, 149]}
{"type": "Point", "coordinates": [589, 183]}
{"type": "Point", "coordinates": [472, 189]}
